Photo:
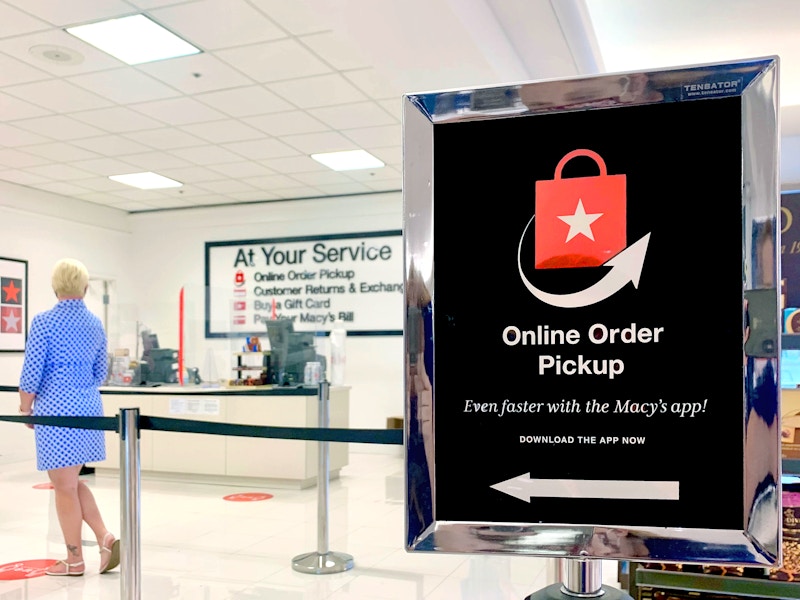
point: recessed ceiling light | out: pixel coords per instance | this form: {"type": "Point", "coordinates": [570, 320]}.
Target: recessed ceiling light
{"type": "Point", "coordinates": [146, 181]}
{"type": "Point", "coordinates": [349, 160]}
{"type": "Point", "coordinates": [133, 40]}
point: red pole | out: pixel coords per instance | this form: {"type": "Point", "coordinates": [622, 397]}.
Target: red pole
{"type": "Point", "coordinates": [180, 338]}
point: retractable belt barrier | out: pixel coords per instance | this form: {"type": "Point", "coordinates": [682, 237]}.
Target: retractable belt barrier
{"type": "Point", "coordinates": [314, 434]}
{"type": "Point", "coordinates": [128, 423]}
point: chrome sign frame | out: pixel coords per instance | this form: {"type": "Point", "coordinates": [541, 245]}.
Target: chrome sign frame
{"type": "Point", "coordinates": [466, 495]}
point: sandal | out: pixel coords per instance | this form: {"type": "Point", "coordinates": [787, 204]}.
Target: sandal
{"type": "Point", "coordinates": [113, 553]}
{"type": "Point", "coordinates": [67, 569]}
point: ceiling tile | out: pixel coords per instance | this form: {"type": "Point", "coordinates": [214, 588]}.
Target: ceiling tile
{"type": "Point", "coordinates": [325, 90]}
{"type": "Point", "coordinates": [293, 164]}
{"type": "Point", "coordinates": [368, 175]}
{"type": "Point", "coordinates": [179, 111]}
{"type": "Point", "coordinates": [312, 143]}
{"type": "Point", "coordinates": [17, 159]}
{"type": "Point", "coordinates": [57, 95]}
{"type": "Point", "coordinates": [261, 149]}
{"type": "Point", "coordinates": [375, 137]}
{"type": "Point", "coordinates": [13, 108]}
{"type": "Point", "coordinates": [242, 169]}
{"type": "Point", "coordinates": [207, 155]}
{"type": "Point", "coordinates": [59, 127]}
{"type": "Point", "coordinates": [60, 152]}
{"type": "Point", "coordinates": [373, 84]}
{"type": "Point", "coordinates": [70, 13]}
{"type": "Point", "coordinates": [98, 184]}
{"type": "Point", "coordinates": [226, 186]}
{"type": "Point", "coordinates": [393, 107]}
{"type": "Point", "coordinates": [164, 138]}
{"type": "Point", "coordinates": [286, 123]}
{"type": "Point", "coordinates": [111, 145]}
{"type": "Point", "coordinates": [254, 196]}
{"type": "Point", "coordinates": [21, 177]}
{"type": "Point", "coordinates": [15, 22]}
{"type": "Point", "coordinates": [297, 18]}
{"type": "Point", "coordinates": [273, 61]}
{"type": "Point", "coordinates": [357, 114]}
{"type": "Point", "coordinates": [336, 50]}
{"type": "Point", "coordinates": [246, 101]}
{"type": "Point", "coordinates": [104, 166]}
{"type": "Point", "coordinates": [300, 191]}
{"type": "Point", "coordinates": [271, 182]}
{"type": "Point", "coordinates": [213, 25]}
{"type": "Point", "coordinates": [227, 130]}
{"type": "Point", "coordinates": [13, 71]}
{"type": "Point", "coordinates": [61, 187]}
{"type": "Point", "coordinates": [385, 185]}
{"type": "Point", "coordinates": [117, 119]}
{"type": "Point", "coordinates": [392, 155]}
{"type": "Point", "coordinates": [14, 136]}
{"type": "Point", "coordinates": [191, 175]}
{"type": "Point", "coordinates": [154, 161]}
{"type": "Point", "coordinates": [196, 73]}
{"type": "Point", "coordinates": [321, 177]}
{"type": "Point", "coordinates": [343, 188]}
{"type": "Point", "coordinates": [124, 85]}
{"type": "Point", "coordinates": [59, 172]}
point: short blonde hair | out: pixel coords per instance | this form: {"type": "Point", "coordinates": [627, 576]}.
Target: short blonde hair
{"type": "Point", "coordinates": [70, 278]}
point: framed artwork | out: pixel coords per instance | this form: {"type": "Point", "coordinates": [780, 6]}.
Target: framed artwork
{"type": "Point", "coordinates": [13, 304]}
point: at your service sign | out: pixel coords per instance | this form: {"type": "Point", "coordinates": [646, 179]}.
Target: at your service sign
{"type": "Point", "coordinates": [592, 339]}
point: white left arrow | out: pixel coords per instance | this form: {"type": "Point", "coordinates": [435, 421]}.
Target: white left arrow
{"type": "Point", "coordinates": [525, 488]}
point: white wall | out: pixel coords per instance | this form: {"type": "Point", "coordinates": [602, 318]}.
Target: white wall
{"type": "Point", "coordinates": [43, 228]}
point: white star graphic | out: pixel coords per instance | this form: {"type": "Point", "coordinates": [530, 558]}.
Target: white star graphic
{"type": "Point", "coordinates": [580, 222]}
{"type": "Point", "coordinates": [11, 322]}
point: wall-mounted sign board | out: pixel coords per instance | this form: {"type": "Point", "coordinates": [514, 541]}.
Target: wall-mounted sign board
{"type": "Point", "coordinates": [310, 280]}
{"type": "Point", "coordinates": [592, 332]}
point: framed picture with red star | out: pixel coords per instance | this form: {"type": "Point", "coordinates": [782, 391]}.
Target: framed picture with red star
{"type": "Point", "coordinates": [13, 304]}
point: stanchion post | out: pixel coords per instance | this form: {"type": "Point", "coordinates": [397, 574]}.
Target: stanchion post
{"type": "Point", "coordinates": [323, 561]}
{"type": "Point", "coordinates": [130, 504]}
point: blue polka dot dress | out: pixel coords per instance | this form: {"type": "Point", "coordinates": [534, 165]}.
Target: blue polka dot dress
{"type": "Point", "coordinates": [65, 363]}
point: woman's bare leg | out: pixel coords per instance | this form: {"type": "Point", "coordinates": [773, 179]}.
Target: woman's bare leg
{"type": "Point", "coordinates": [70, 514]}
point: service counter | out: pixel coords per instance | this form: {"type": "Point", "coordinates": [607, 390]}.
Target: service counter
{"type": "Point", "coordinates": [233, 460]}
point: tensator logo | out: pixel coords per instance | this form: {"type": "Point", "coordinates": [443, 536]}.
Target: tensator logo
{"type": "Point", "coordinates": [582, 222]}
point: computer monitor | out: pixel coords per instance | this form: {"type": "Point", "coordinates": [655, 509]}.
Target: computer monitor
{"type": "Point", "coordinates": [290, 350]}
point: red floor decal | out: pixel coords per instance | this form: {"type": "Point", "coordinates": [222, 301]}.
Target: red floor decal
{"type": "Point", "coordinates": [25, 569]}
{"type": "Point", "coordinates": [247, 497]}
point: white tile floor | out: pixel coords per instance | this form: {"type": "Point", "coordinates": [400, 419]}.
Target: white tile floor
{"type": "Point", "coordinates": [197, 546]}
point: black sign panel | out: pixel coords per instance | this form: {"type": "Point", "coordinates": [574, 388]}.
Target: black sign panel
{"type": "Point", "coordinates": [617, 379]}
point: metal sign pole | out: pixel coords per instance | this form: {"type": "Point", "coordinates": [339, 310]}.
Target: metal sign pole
{"type": "Point", "coordinates": [130, 504]}
{"type": "Point", "coordinates": [580, 578]}
{"type": "Point", "coordinates": [322, 561]}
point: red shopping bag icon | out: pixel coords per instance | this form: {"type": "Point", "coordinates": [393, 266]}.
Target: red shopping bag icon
{"type": "Point", "coordinates": [580, 221]}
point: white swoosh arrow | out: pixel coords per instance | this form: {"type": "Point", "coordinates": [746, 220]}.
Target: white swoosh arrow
{"type": "Point", "coordinates": [524, 488]}
{"type": "Point", "coordinates": [626, 266]}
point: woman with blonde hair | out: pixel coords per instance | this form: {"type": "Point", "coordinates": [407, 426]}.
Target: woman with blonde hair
{"type": "Point", "coordinates": [65, 364]}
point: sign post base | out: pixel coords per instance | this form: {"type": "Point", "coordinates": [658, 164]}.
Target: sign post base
{"type": "Point", "coordinates": [558, 592]}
